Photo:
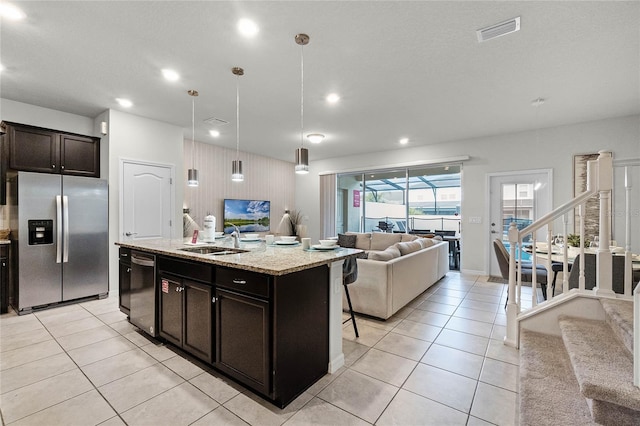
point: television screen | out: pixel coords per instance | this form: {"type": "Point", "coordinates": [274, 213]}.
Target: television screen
{"type": "Point", "coordinates": [247, 215]}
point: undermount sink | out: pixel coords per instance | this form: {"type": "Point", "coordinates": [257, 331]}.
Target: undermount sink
{"type": "Point", "coordinates": [212, 250]}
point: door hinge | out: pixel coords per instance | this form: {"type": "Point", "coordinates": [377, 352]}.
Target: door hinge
{"type": "Point", "coordinates": [170, 222]}
{"type": "Point", "coordinates": [170, 181]}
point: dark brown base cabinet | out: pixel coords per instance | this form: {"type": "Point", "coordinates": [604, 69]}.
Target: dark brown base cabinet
{"type": "Point", "coordinates": [186, 306]}
{"type": "Point", "coordinates": [4, 278]}
{"type": "Point", "coordinates": [269, 333]}
{"type": "Point", "coordinates": [272, 332]}
{"type": "Point", "coordinates": [124, 293]}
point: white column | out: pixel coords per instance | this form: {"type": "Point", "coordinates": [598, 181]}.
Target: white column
{"type": "Point", "coordinates": [336, 357]}
{"type": "Point", "coordinates": [628, 268]}
{"type": "Point", "coordinates": [603, 255]}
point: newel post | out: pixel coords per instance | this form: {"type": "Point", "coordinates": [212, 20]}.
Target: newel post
{"type": "Point", "coordinates": [511, 339]}
{"type": "Point", "coordinates": [603, 255]}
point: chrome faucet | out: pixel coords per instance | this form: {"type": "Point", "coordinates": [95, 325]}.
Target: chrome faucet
{"type": "Point", "coordinates": [236, 236]}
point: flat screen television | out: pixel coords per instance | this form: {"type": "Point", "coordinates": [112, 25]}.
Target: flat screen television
{"type": "Point", "coordinates": [247, 215]}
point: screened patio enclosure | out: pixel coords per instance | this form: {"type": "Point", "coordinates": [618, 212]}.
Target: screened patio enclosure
{"type": "Point", "coordinates": [422, 199]}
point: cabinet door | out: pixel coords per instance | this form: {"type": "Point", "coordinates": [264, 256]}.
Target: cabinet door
{"type": "Point", "coordinates": [171, 308]}
{"type": "Point", "coordinates": [198, 317]}
{"type": "Point", "coordinates": [33, 149]}
{"type": "Point", "coordinates": [79, 155]}
{"type": "Point", "coordinates": [4, 284]}
{"type": "Point", "coordinates": [124, 287]}
{"type": "Point", "coordinates": [242, 339]}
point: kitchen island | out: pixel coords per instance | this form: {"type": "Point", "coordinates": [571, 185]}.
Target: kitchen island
{"type": "Point", "coordinates": [270, 317]}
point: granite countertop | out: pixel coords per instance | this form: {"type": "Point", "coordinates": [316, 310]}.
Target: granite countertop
{"type": "Point", "coordinates": [272, 260]}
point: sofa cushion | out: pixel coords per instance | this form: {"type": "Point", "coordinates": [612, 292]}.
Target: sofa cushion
{"type": "Point", "coordinates": [347, 241]}
{"type": "Point", "coordinates": [384, 255]}
{"type": "Point", "coordinates": [363, 240]}
{"type": "Point", "coordinates": [382, 240]}
{"type": "Point", "coordinates": [408, 247]}
{"type": "Point", "coordinates": [408, 237]}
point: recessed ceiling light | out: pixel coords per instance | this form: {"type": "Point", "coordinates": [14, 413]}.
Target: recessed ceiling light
{"type": "Point", "coordinates": [315, 137]}
{"type": "Point", "coordinates": [170, 75]}
{"type": "Point", "coordinates": [247, 27]}
{"type": "Point", "coordinates": [126, 103]}
{"type": "Point", "coordinates": [9, 11]}
{"type": "Point", "coordinates": [333, 98]}
{"type": "Point", "coordinates": [214, 133]}
{"type": "Point", "coordinates": [404, 141]}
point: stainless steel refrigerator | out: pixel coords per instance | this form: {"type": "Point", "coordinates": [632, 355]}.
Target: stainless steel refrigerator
{"type": "Point", "coordinates": [62, 238]}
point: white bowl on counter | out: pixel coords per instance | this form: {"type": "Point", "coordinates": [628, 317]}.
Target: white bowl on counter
{"type": "Point", "coordinates": [328, 243]}
{"type": "Point", "coordinates": [250, 236]}
{"type": "Point", "coordinates": [288, 239]}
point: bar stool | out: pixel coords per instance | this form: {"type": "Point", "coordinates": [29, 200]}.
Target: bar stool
{"type": "Point", "coordinates": [349, 276]}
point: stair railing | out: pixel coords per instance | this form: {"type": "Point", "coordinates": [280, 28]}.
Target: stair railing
{"type": "Point", "coordinates": [599, 181]}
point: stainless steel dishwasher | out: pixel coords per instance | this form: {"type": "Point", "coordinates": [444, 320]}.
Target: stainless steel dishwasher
{"type": "Point", "coordinates": [143, 292]}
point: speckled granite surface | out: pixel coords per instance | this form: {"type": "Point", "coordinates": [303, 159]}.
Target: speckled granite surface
{"type": "Point", "coordinates": [272, 260]}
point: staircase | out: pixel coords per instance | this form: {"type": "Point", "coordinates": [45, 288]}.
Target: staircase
{"type": "Point", "coordinates": [585, 375]}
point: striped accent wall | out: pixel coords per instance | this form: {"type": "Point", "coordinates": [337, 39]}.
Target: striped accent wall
{"type": "Point", "coordinates": [264, 179]}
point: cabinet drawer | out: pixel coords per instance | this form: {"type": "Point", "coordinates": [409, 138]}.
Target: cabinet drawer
{"type": "Point", "coordinates": [193, 270]}
{"type": "Point", "coordinates": [125, 255]}
{"type": "Point", "coordinates": [244, 281]}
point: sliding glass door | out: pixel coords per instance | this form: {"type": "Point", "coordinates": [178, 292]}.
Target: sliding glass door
{"type": "Point", "coordinates": [416, 199]}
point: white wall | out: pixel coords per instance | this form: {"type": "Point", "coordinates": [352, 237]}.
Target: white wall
{"type": "Point", "coordinates": [264, 179]}
{"type": "Point", "coordinates": [138, 138]}
{"type": "Point", "coordinates": [549, 148]}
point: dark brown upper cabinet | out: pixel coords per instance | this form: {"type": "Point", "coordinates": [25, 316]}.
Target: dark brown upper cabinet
{"type": "Point", "coordinates": [35, 149]}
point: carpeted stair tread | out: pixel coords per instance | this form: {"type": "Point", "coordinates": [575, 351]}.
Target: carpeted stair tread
{"type": "Point", "coordinates": [549, 393]}
{"type": "Point", "coordinates": [620, 319]}
{"type": "Point", "coordinates": [602, 365]}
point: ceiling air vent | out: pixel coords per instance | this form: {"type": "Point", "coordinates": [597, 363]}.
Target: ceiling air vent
{"type": "Point", "coordinates": [216, 121]}
{"type": "Point", "coordinates": [498, 30]}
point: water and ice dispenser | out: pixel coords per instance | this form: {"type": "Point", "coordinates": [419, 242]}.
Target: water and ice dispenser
{"type": "Point", "coordinates": [40, 232]}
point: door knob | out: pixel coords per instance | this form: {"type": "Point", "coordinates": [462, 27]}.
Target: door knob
{"type": "Point", "coordinates": [128, 234]}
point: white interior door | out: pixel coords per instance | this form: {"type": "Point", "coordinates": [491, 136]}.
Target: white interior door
{"type": "Point", "coordinates": [146, 201]}
{"type": "Point", "coordinates": [516, 197]}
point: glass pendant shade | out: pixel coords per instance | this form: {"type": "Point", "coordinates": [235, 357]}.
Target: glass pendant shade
{"type": "Point", "coordinates": [236, 171]}
{"type": "Point", "coordinates": [302, 161]}
{"type": "Point", "coordinates": [192, 177]}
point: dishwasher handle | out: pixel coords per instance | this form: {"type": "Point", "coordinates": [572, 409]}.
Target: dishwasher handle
{"type": "Point", "coordinates": [142, 261]}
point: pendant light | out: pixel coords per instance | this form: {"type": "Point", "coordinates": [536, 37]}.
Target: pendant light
{"type": "Point", "coordinates": [302, 153]}
{"type": "Point", "coordinates": [236, 165]}
{"type": "Point", "coordinates": [192, 173]}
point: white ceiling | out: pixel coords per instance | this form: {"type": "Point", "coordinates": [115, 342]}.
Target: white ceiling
{"type": "Point", "coordinates": [403, 69]}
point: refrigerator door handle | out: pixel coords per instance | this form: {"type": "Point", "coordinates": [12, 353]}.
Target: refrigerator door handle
{"type": "Point", "coordinates": [65, 225]}
{"type": "Point", "coordinates": [58, 228]}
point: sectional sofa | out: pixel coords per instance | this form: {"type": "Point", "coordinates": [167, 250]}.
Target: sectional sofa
{"type": "Point", "coordinates": [398, 268]}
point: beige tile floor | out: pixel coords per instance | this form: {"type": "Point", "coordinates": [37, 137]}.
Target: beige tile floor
{"type": "Point", "coordinates": [439, 361]}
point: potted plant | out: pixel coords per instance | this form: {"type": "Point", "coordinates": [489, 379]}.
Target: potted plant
{"type": "Point", "coordinates": [574, 241]}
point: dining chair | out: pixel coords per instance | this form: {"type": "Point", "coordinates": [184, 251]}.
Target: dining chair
{"type": "Point", "coordinates": [502, 255]}
{"type": "Point", "coordinates": [617, 273]}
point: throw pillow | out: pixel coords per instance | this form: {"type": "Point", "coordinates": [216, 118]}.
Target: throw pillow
{"type": "Point", "coordinates": [384, 255]}
{"type": "Point", "coordinates": [408, 247]}
{"type": "Point", "coordinates": [426, 242]}
{"type": "Point", "coordinates": [347, 241]}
